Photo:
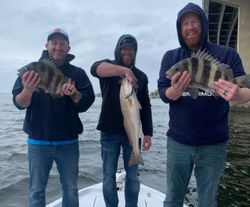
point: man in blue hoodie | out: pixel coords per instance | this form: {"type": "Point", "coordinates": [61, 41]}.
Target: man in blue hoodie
{"type": "Point", "coordinates": [113, 135]}
{"type": "Point", "coordinates": [53, 125]}
{"type": "Point", "coordinates": [198, 129]}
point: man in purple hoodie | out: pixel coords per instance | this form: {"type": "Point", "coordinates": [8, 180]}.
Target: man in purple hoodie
{"type": "Point", "coordinates": [198, 129]}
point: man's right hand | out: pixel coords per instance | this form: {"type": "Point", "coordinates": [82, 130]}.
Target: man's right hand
{"type": "Point", "coordinates": [179, 83]}
{"type": "Point", "coordinates": [131, 77]}
{"type": "Point", "coordinates": [30, 81]}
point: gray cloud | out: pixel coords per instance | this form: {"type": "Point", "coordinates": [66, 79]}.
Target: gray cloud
{"type": "Point", "coordinates": [94, 27]}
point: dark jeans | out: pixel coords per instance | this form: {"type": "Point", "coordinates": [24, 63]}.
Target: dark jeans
{"type": "Point", "coordinates": [111, 146]}
{"type": "Point", "coordinates": [208, 163]}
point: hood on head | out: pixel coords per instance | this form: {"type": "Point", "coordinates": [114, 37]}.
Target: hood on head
{"type": "Point", "coordinates": [191, 7]}
{"type": "Point", "coordinates": [125, 40]}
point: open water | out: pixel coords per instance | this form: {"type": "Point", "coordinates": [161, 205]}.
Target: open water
{"type": "Point", "coordinates": [233, 191]}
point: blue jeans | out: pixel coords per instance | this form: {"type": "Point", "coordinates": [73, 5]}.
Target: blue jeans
{"type": "Point", "coordinates": [40, 163]}
{"type": "Point", "coordinates": [111, 145]}
{"type": "Point", "coordinates": [208, 163]}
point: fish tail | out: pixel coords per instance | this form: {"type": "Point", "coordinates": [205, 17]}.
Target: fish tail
{"type": "Point", "coordinates": [135, 159]}
{"type": "Point", "coordinates": [243, 81]}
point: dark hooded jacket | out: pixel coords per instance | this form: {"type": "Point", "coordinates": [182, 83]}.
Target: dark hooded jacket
{"type": "Point", "coordinates": [53, 119]}
{"type": "Point", "coordinates": [111, 119]}
{"type": "Point", "coordinates": [202, 121]}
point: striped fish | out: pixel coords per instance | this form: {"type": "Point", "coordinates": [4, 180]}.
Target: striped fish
{"type": "Point", "coordinates": [205, 70]}
{"type": "Point", "coordinates": [51, 78]}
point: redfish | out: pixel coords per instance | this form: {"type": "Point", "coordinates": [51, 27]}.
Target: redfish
{"type": "Point", "coordinates": [130, 108]}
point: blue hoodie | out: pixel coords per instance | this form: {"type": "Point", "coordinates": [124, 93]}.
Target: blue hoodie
{"type": "Point", "coordinates": [50, 119]}
{"type": "Point", "coordinates": [203, 121]}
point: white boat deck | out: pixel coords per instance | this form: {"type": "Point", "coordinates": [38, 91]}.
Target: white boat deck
{"type": "Point", "coordinates": [92, 196]}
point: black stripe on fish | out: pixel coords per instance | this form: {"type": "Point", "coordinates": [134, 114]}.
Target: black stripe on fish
{"type": "Point", "coordinates": [57, 82]}
{"type": "Point", "coordinates": [228, 74]}
{"type": "Point", "coordinates": [50, 79]}
{"type": "Point", "coordinates": [227, 78]}
{"type": "Point", "coordinates": [185, 66]}
{"type": "Point", "coordinates": [195, 63]}
{"type": "Point", "coordinates": [206, 73]}
{"type": "Point", "coordinates": [217, 75]}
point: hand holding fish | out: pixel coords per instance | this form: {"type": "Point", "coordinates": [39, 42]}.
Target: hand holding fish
{"type": "Point", "coordinates": [231, 92]}
{"type": "Point", "coordinates": [205, 70]}
{"type": "Point", "coordinates": [179, 84]}
{"type": "Point", "coordinates": [30, 81]}
{"type": "Point", "coordinates": [146, 144]}
{"type": "Point", "coordinates": [51, 80]}
{"type": "Point", "coordinates": [68, 89]}
{"type": "Point", "coordinates": [130, 77]}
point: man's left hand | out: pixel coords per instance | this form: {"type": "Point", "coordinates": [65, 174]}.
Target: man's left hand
{"type": "Point", "coordinates": [68, 88]}
{"type": "Point", "coordinates": [146, 143]}
{"type": "Point", "coordinates": [227, 90]}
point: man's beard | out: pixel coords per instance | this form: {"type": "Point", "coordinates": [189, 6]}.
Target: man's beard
{"type": "Point", "coordinates": [127, 62]}
{"type": "Point", "coordinates": [192, 42]}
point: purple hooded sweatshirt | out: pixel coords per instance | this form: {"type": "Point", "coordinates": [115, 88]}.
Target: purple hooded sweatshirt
{"type": "Point", "coordinates": [203, 121]}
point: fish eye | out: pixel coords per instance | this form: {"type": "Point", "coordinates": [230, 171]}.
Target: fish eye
{"type": "Point", "coordinates": [177, 69]}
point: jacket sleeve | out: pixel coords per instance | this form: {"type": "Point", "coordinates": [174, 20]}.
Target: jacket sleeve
{"type": "Point", "coordinates": [145, 113]}
{"type": "Point", "coordinates": [85, 87]}
{"type": "Point", "coordinates": [163, 82]}
{"type": "Point", "coordinates": [17, 88]}
{"type": "Point", "coordinates": [236, 64]}
{"type": "Point", "coordinates": [93, 69]}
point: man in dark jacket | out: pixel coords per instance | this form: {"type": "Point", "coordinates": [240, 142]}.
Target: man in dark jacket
{"type": "Point", "coordinates": [113, 135]}
{"type": "Point", "coordinates": [53, 125]}
{"type": "Point", "coordinates": [198, 129]}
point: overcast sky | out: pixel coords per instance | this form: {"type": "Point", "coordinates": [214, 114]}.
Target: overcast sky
{"type": "Point", "coordinates": [94, 27]}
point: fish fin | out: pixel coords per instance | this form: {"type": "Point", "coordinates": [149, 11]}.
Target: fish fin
{"type": "Point", "coordinates": [243, 81]}
{"type": "Point", "coordinates": [194, 92]}
{"type": "Point", "coordinates": [138, 103]}
{"type": "Point", "coordinates": [226, 71]}
{"type": "Point", "coordinates": [76, 97]}
{"type": "Point", "coordinates": [203, 54]}
{"type": "Point", "coordinates": [49, 62]}
{"type": "Point", "coordinates": [128, 90]}
{"type": "Point", "coordinates": [135, 159]}
{"type": "Point", "coordinates": [22, 70]}
{"type": "Point", "coordinates": [141, 134]}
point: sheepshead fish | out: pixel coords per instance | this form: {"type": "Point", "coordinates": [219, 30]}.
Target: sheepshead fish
{"type": "Point", "coordinates": [130, 108]}
{"type": "Point", "coordinates": [205, 70]}
{"type": "Point", "coordinates": [52, 79]}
